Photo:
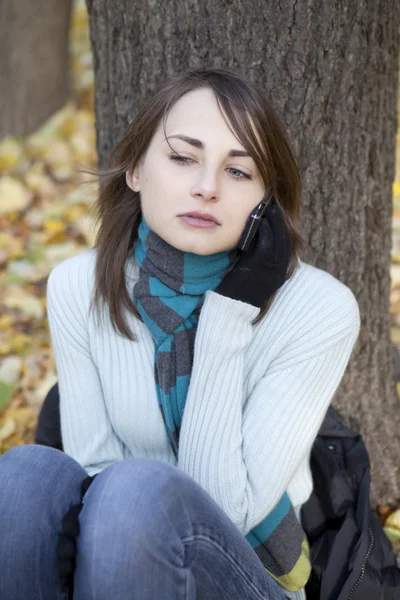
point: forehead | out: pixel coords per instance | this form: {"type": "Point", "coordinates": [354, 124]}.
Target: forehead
{"type": "Point", "coordinates": [197, 114]}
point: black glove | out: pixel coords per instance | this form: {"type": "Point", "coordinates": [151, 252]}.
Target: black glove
{"type": "Point", "coordinates": [66, 549]}
{"type": "Point", "coordinates": [261, 270]}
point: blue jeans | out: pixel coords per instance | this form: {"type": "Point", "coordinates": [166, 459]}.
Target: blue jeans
{"type": "Point", "coordinates": [148, 531]}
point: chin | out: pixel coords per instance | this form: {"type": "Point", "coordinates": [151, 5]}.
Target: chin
{"type": "Point", "coordinates": [204, 249]}
{"type": "Point", "coordinates": [195, 249]}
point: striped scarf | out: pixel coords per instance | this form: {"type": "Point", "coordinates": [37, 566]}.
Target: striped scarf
{"type": "Point", "coordinates": [168, 295]}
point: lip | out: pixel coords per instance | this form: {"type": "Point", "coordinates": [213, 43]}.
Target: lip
{"type": "Point", "coordinates": [199, 223]}
{"type": "Point", "coordinates": [201, 215]}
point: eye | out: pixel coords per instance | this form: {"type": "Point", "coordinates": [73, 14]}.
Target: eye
{"type": "Point", "coordinates": [238, 174]}
{"type": "Point", "coordinates": [182, 160]}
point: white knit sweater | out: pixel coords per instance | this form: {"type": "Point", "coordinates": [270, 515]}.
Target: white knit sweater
{"type": "Point", "coordinates": [257, 394]}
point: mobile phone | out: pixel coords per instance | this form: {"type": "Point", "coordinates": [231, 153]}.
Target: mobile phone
{"type": "Point", "coordinates": [253, 221]}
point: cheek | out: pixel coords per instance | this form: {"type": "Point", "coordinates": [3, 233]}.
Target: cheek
{"type": "Point", "coordinates": [150, 190]}
{"type": "Point", "coordinates": [162, 179]}
{"type": "Point", "coordinates": [241, 211]}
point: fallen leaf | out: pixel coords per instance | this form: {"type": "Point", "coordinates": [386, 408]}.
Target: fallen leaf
{"type": "Point", "coordinates": [58, 156]}
{"type": "Point", "coordinates": [14, 195]}
{"type": "Point", "coordinates": [10, 154]}
{"type": "Point", "coordinates": [5, 394]}
{"type": "Point", "coordinates": [395, 335]}
{"type": "Point", "coordinates": [37, 396]}
{"type": "Point", "coordinates": [5, 322]}
{"type": "Point", "coordinates": [26, 303]}
{"type": "Point", "coordinates": [7, 429]}
{"type": "Point", "coordinates": [26, 270]}
{"type": "Point", "coordinates": [10, 369]}
{"type": "Point", "coordinates": [54, 226]}
{"type": "Point", "coordinates": [23, 417]}
{"type": "Point", "coordinates": [40, 183]}
{"type": "Point", "coordinates": [392, 529]}
{"type": "Point", "coordinates": [20, 342]}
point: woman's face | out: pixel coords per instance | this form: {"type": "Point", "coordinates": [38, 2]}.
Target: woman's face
{"type": "Point", "coordinates": [209, 171]}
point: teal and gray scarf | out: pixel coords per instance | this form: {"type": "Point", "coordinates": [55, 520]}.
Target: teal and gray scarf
{"type": "Point", "coordinates": [168, 295]}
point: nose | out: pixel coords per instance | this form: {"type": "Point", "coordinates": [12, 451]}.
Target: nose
{"type": "Point", "coordinates": [206, 185]}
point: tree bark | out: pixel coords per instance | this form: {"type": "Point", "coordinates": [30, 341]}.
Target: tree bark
{"type": "Point", "coordinates": [331, 72]}
{"type": "Point", "coordinates": [33, 62]}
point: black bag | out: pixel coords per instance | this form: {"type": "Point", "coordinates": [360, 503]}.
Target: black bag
{"type": "Point", "coordinates": [351, 556]}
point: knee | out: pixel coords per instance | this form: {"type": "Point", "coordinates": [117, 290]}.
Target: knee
{"type": "Point", "coordinates": [32, 453]}
{"type": "Point", "coordinates": [130, 511]}
{"type": "Point", "coordinates": [36, 461]}
{"type": "Point", "coordinates": [28, 461]}
{"type": "Point", "coordinates": [31, 476]}
{"type": "Point", "coordinates": [133, 497]}
{"type": "Point", "coordinates": [142, 484]}
{"type": "Point", "coordinates": [37, 486]}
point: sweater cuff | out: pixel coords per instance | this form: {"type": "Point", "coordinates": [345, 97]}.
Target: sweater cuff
{"type": "Point", "coordinates": [221, 311]}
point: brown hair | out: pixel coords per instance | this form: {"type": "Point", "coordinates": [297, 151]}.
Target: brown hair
{"type": "Point", "coordinates": [118, 209]}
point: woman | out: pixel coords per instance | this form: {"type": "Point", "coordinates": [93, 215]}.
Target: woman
{"type": "Point", "coordinates": [193, 376]}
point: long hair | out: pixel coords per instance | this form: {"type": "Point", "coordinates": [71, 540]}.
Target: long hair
{"type": "Point", "coordinates": [118, 210]}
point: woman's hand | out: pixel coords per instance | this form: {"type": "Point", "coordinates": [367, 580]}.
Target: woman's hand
{"type": "Point", "coordinates": [261, 270]}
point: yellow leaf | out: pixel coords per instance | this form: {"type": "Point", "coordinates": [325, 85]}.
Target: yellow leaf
{"type": "Point", "coordinates": [82, 147]}
{"type": "Point", "coordinates": [12, 245]}
{"type": "Point", "coordinates": [20, 342]}
{"type": "Point", "coordinates": [394, 537]}
{"type": "Point", "coordinates": [7, 429]}
{"type": "Point", "coordinates": [5, 322]}
{"type": "Point", "coordinates": [13, 216]}
{"type": "Point", "coordinates": [395, 335]}
{"type": "Point", "coordinates": [5, 348]}
{"type": "Point", "coordinates": [14, 195]}
{"type": "Point", "coordinates": [23, 416]}
{"type": "Point", "coordinates": [54, 226]}
{"type": "Point", "coordinates": [392, 529]}
{"type": "Point", "coordinates": [40, 183]}
{"type": "Point", "coordinates": [33, 218]}
{"type": "Point", "coordinates": [74, 212]}
{"type": "Point", "coordinates": [396, 188]}
{"type": "Point", "coordinates": [10, 154]}
{"type": "Point", "coordinates": [394, 520]}
{"type": "Point", "coordinates": [28, 304]}
{"type": "Point", "coordinates": [10, 369]}
{"type": "Point", "coordinates": [69, 126]}
{"type": "Point", "coordinates": [55, 238]}
{"type": "Point", "coordinates": [58, 153]}
{"type": "Point", "coordinates": [36, 145]}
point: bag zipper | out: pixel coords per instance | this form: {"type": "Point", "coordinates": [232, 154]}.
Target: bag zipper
{"type": "Point", "coordinates": [357, 583]}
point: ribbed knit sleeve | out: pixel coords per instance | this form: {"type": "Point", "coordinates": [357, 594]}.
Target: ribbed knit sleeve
{"type": "Point", "coordinates": [243, 447]}
{"type": "Point", "coordinates": [87, 434]}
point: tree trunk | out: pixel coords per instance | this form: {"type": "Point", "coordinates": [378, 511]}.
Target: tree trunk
{"type": "Point", "coordinates": [331, 71]}
{"type": "Point", "coordinates": [33, 62]}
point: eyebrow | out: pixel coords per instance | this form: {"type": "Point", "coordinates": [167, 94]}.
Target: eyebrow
{"type": "Point", "coordinates": [199, 144]}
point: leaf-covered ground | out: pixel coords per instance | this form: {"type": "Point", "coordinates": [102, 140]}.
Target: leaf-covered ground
{"type": "Point", "coordinates": [44, 218]}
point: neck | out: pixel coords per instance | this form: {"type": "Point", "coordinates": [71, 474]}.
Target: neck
{"type": "Point", "coordinates": [184, 272]}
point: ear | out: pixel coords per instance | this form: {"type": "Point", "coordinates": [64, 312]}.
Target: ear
{"type": "Point", "coordinates": [132, 178]}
